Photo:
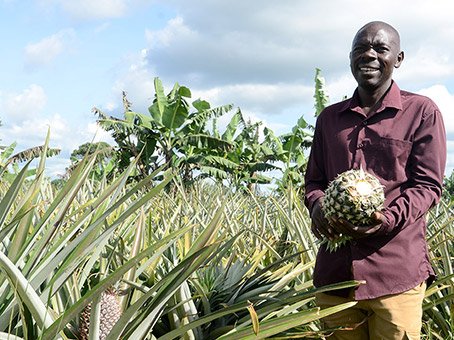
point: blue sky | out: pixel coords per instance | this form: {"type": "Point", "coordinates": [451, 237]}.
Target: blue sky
{"type": "Point", "coordinates": [60, 58]}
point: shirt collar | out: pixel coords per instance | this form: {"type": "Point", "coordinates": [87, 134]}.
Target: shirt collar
{"type": "Point", "coordinates": [392, 99]}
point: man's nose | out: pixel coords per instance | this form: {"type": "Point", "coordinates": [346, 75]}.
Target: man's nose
{"type": "Point", "coordinates": [370, 52]}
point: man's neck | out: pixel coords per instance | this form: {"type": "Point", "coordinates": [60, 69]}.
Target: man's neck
{"type": "Point", "coordinates": [370, 100]}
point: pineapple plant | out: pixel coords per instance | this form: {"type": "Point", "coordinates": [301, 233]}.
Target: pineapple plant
{"type": "Point", "coordinates": [353, 195]}
{"type": "Point", "coordinates": [110, 313]}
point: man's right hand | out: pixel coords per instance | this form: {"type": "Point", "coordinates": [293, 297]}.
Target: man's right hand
{"type": "Point", "coordinates": [320, 225]}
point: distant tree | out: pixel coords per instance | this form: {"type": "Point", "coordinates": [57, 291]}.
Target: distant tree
{"type": "Point", "coordinates": [105, 158]}
{"type": "Point", "coordinates": [104, 151]}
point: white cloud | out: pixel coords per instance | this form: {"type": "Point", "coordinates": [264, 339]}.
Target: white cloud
{"type": "Point", "coordinates": [137, 80]}
{"type": "Point", "coordinates": [255, 99]}
{"type": "Point", "coordinates": [445, 101]}
{"type": "Point", "coordinates": [92, 10]}
{"type": "Point", "coordinates": [270, 99]}
{"type": "Point", "coordinates": [99, 9]}
{"type": "Point", "coordinates": [94, 133]}
{"type": "Point", "coordinates": [426, 64]}
{"type": "Point", "coordinates": [215, 57]}
{"type": "Point", "coordinates": [44, 52]}
{"type": "Point", "coordinates": [32, 132]}
{"type": "Point", "coordinates": [262, 102]}
{"type": "Point", "coordinates": [59, 132]}
{"type": "Point", "coordinates": [450, 158]}
{"type": "Point", "coordinates": [204, 45]}
{"type": "Point", "coordinates": [16, 107]}
{"type": "Point", "coordinates": [104, 26]}
{"type": "Point", "coordinates": [175, 29]}
{"type": "Point", "coordinates": [55, 166]}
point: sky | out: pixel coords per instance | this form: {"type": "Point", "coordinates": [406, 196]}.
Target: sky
{"type": "Point", "coordinates": [61, 58]}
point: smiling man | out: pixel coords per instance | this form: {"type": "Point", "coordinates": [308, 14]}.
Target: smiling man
{"type": "Point", "coordinates": [399, 137]}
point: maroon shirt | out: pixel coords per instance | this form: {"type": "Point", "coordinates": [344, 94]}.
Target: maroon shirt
{"type": "Point", "coordinates": [403, 144]}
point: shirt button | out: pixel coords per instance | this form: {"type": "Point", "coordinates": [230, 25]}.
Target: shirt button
{"type": "Point", "coordinates": [364, 122]}
{"type": "Point", "coordinates": [360, 145]}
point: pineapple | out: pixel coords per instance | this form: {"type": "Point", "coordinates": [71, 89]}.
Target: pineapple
{"type": "Point", "coordinates": [353, 195]}
{"type": "Point", "coordinates": [110, 313]}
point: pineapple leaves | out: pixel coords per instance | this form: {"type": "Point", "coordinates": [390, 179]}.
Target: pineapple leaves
{"type": "Point", "coordinates": [27, 294]}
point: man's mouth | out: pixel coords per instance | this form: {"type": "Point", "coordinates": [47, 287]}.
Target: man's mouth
{"type": "Point", "coordinates": [368, 69]}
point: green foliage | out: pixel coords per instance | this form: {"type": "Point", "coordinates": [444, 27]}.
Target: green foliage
{"type": "Point", "coordinates": [320, 95]}
{"type": "Point", "coordinates": [186, 138]}
{"type": "Point", "coordinates": [293, 147]}
{"type": "Point", "coordinates": [294, 155]}
{"type": "Point", "coordinates": [178, 135]}
{"type": "Point", "coordinates": [439, 302]}
{"type": "Point", "coordinates": [105, 160]}
{"type": "Point", "coordinates": [203, 262]}
{"type": "Point", "coordinates": [448, 186]}
{"type": "Point", "coordinates": [103, 149]}
{"type": "Point", "coordinates": [170, 134]}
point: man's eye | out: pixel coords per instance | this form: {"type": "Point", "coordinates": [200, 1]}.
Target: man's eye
{"type": "Point", "coordinates": [360, 49]}
{"type": "Point", "coordinates": [380, 49]}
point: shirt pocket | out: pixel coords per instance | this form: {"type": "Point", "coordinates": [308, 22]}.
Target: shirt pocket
{"type": "Point", "coordinates": [388, 158]}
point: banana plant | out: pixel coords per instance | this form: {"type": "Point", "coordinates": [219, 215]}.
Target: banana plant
{"type": "Point", "coordinates": [171, 133]}
{"type": "Point", "coordinates": [250, 157]}
{"type": "Point", "coordinates": [8, 158]}
{"type": "Point", "coordinates": [295, 144]}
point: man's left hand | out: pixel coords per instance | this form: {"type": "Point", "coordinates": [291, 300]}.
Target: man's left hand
{"type": "Point", "coordinates": [344, 227]}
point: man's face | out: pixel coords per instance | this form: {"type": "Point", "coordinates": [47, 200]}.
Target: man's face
{"type": "Point", "coordinates": [374, 55]}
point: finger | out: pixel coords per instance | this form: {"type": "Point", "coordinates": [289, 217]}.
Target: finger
{"type": "Point", "coordinates": [372, 230]}
{"type": "Point", "coordinates": [324, 230]}
{"type": "Point", "coordinates": [316, 232]}
{"type": "Point", "coordinates": [377, 218]}
{"type": "Point", "coordinates": [340, 226]}
{"type": "Point", "coordinates": [330, 232]}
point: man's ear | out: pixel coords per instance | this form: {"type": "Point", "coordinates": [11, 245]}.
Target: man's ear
{"type": "Point", "coordinates": [400, 58]}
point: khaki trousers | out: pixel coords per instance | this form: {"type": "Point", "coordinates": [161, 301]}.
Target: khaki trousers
{"type": "Point", "coordinates": [391, 317]}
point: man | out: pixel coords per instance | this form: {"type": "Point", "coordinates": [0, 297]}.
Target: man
{"type": "Point", "coordinates": [399, 137]}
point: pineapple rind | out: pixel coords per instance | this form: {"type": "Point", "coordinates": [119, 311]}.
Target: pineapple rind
{"type": "Point", "coordinates": [110, 313]}
{"type": "Point", "coordinates": [343, 200]}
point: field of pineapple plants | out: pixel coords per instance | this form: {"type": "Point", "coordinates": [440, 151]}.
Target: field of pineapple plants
{"type": "Point", "coordinates": [168, 237]}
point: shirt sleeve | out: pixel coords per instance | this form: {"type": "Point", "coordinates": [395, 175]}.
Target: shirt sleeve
{"type": "Point", "coordinates": [315, 177]}
{"type": "Point", "coordinates": [426, 170]}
